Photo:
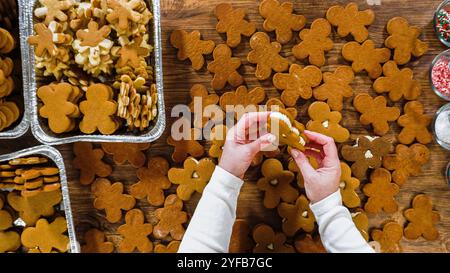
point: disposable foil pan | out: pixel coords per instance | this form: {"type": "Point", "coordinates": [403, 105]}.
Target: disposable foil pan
{"type": "Point", "coordinates": [56, 157]}
{"type": "Point", "coordinates": [38, 126]}
{"type": "Point", "coordinates": [22, 127]}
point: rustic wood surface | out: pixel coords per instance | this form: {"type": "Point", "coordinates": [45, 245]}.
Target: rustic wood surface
{"type": "Point", "coordinates": [179, 77]}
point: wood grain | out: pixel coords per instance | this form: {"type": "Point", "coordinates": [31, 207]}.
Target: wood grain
{"type": "Point", "coordinates": [179, 77]}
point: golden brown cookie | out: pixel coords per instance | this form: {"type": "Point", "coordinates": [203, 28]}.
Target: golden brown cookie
{"type": "Point", "coordinates": [308, 244]}
{"type": "Point", "coordinates": [186, 146]}
{"type": "Point", "coordinates": [348, 186]}
{"type": "Point", "coordinates": [349, 20]}
{"type": "Point", "coordinates": [7, 43]}
{"type": "Point", "coordinates": [135, 233]}
{"type": "Point", "coordinates": [217, 138]}
{"type": "Point", "coordinates": [315, 42]}
{"type": "Point", "coordinates": [376, 112]}
{"type": "Point", "coordinates": [293, 167]}
{"type": "Point", "coordinates": [152, 181]}
{"type": "Point", "coordinates": [193, 177]}
{"type": "Point", "coordinates": [202, 100]}
{"type": "Point", "coordinates": [53, 10]}
{"type": "Point", "coordinates": [389, 238]}
{"type": "Point", "coordinates": [110, 198]}
{"type": "Point", "coordinates": [242, 100]}
{"type": "Point", "coordinates": [43, 41]}
{"type": "Point", "coordinates": [9, 241]}
{"type": "Point", "coordinates": [132, 54]}
{"type": "Point", "coordinates": [415, 124]}
{"type": "Point", "coordinates": [172, 247]}
{"type": "Point", "coordinates": [127, 152]}
{"type": "Point", "coordinates": [276, 105]}
{"type": "Point", "coordinates": [232, 22]}
{"type": "Point", "coordinates": [96, 242]}
{"type": "Point", "coordinates": [422, 219]}
{"type": "Point", "coordinates": [268, 241]}
{"type": "Point", "coordinates": [89, 161]}
{"type": "Point", "coordinates": [366, 57]}
{"type": "Point", "coordinates": [296, 216]}
{"type": "Point", "coordinates": [276, 183]}
{"type": "Point", "coordinates": [266, 56]}
{"type": "Point", "coordinates": [398, 83]}
{"type": "Point", "coordinates": [298, 83]}
{"type": "Point", "coordinates": [326, 122]}
{"type": "Point", "coordinates": [281, 19]}
{"type": "Point", "coordinates": [240, 241]}
{"type": "Point", "coordinates": [6, 220]}
{"type": "Point", "coordinates": [335, 87]}
{"type": "Point", "coordinates": [47, 236]}
{"type": "Point", "coordinates": [171, 219]}
{"type": "Point", "coordinates": [121, 14]}
{"type": "Point", "coordinates": [361, 221]}
{"type": "Point", "coordinates": [224, 67]}
{"type": "Point", "coordinates": [404, 39]}
{"type": "Point", "coordinates": [288, 131]}
{"type": "Point", "coordinates": [381, 192]}
{"type": "Point", "coordinates": [406, 161]}
{"type": "Point", "coordinates": [191, 46]}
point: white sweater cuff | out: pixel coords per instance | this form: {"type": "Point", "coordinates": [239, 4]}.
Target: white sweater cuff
{"type": "Point", "coordinates": [325, 205]}
{"type": "Point", "coordinates": [226, 179]}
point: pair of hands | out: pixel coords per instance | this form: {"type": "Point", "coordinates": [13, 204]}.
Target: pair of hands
{"type": "Point", "coordinates": [240, 149]}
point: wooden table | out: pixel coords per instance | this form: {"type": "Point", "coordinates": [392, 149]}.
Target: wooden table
{"type": "Point", "coordinates": [179, 77]}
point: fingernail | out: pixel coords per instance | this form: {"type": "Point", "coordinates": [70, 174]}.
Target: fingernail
{"type": "Point", "coordinates": [295, 153]}
{"type": "Point", "coordinates": [271, 138]}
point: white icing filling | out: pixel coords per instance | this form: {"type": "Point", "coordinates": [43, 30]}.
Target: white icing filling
{"type": "Point", "coordinates": [342, 185]}
{"type": "Point", "coordinates": [281, 117]}
{"type": "Point", "coordinates": [305, 214]}
{"type": "Point", "coordinates": [195, 175]}
{"type": "Point", "coordinates": [302, 141]}
{"type": "Point", "coordinates": [326, 123]}
{"type": "Point", "coordinates": [274, 182]}
{"type": "Point", "coordinates": [270, 246]}
{"type": "Point", "coordinates": [368, 154]}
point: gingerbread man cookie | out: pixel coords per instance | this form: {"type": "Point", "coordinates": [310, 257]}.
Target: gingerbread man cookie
{"type": "Point", "coordinates": [193, 177]}
{"type": "Point", "coordinates": [350, 20]}
{"type": "Point", "coordinates": [268, 241]}
{"type": "Point", "coordinates": [127, 152]}
{"type": "Point", "coordinates": [298, 83]}
{"type": "Point", "coordinates": [110, 197]}
{"type": "Point", "coordinates": [406, 161]}
{"type": "Point", "coordinates": [308, 244]}
{"type": "Point", "coordinates": [315, 42]}
{"type": "Point", "coordinates": [381, 192]}
{"type": "Point", "coordinates": [276, 183]}
{"type": "Point", "coordinates": [9, 241]}
{"type": "Point", "coordinates": [172, 247]}
{"type": "Point", "coordinates": [366, 153]}
{"type": "Point", "coordinates": [44, 41]}
{"type": "Point", "coordinates": [389, 238]}
{"type": "Point", "coordinates": [398, 83]}
{"type": "Point", "coordinates": [376, 112]}
{"type": "Point", "coordinates": [266, 56]}
{"type": "Point", "coordinates": [280, 18]}
{"type": "Point", "coordinates": [186, 146]}
{"type": "Point", "coordinates": [361, 221]}
{"type": "Point", "coordinates": [202, 100]}
{"type": "Point", "coordinates": [415, 124]}
{"type": "Point", "coordinates": [326, 122]}
{"type": "Point", "coordinates": [422, 219]}
{"type": "Point", "coordinates": [366, 57]}
{"type": "Point", "coordinates": [335, 87]}
{"type": "Point", "coordinates": [96, 242]}
{"type": "Point", "coordinates": [171, 219]}
{"type": "Point", "coordinates": [89, 161]}
{"type": "Point", "coordinates": [240, 241]}
{"type": "Point", "coordinates": [348, 186]}
{"type": "Point", "coordinates": [152, 181]}
{"type": "Point", "coordinates": [190, 46]}
{"type": "Point", "coordinates": [53, 9]}
{"type": "Point", "coordinates": [224, 67]}
{"type": "Point", "coordinates": [404, 39]}
{"type": "Point", "coordinates": [46, 236]}
{"type": "Point", "coordinates": [296, 217]}
{"type": "Point", "coordinates": [287, 130]}
{"type": "Point", "coordinates": [232, 22]}
{"type": "Point", "coordinates": [276, 105]}
{"type": "Point", "coordinates": [135, 233]}
{"type": "Point", "coordinates": [242, 100]}
{"type": "Point", "coordinates": [132, 54]}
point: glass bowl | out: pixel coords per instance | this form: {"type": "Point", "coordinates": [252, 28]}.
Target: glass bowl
{"type": "Point", "coordinates": [444, 109]}
{"type": "Point", "coordinates": [442, 13]}
{"type": "Point", "coordinates": [442, 57]}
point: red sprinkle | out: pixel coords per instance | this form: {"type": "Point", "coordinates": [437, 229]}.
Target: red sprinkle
{"type": "Point", "coordinates": [440, 76]}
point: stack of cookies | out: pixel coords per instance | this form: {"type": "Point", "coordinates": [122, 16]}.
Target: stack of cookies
{"type": "Point", "coordinates": [89, 44]}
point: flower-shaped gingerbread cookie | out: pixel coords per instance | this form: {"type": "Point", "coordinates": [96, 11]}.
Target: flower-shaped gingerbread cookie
{"type": "Point", "coordinates": [280, 18]}
{"type": "Point", "coordinates": [240, 241]}
{"type": "Point", "coordinates": [406, 161]}
{"type": "Point", "coordinates": [308, 244]}
{"type": "Point", "coordinates": [266, 56]}
{"type": "Point", "coordinates": [376, 112]}
{"type": "Point", "coordinates": [242, 100]}
{"type": "Point", "coordinates": [361, 221]}
{"type": "Point", "coordinates": [348, 186]}
{"type": "Point", "coordinates": [296, 216]}
{"type": "Point", "coordinates": [381, 192]}
{"type": "Point", "coordinates": [366, 153]}
{"type": "Point", "coordinates": [298, 83]}
{"type": "Point", "coordinates": [389, 238]}
{"type": "Point", "coordinates": [135, 233]}
{"type": "Point", "coordinates": [276, 183]}
{"type": "Point", "coordinates": [204, 106]}
{"type": "Point", "coordinates": [191, 46]}
{"type": "Point", "coordinates": [366, 57]}
{"type": "Point", "coordinates": [193, 177]}
{"type": "Point", "coordinates": [89, 161]}
{"type": "Point", "coordinates": [96, 242]}
{"type": "Point", "coordinates": [232, 22]}
{"type": "Point", "coordinates": [315, 42]}
{"type": "Point", "coordinates": [350, 20]}
{"type": "Point", "coordinates": [415, 124]}
{"type": "Point", "coordinates": [127, 152]}
{"type": "Point", "coordinates": [398, 83]}
{"type": "Point", "coordinates": [171, 219]}
{"type": "Point", "coordinates": [46, 236]}
{"type": "Point", "coordinates": [152, 181]}
{"type": "Point", "coordinates": [404, 39]}
{"type": "Point", "coordinates": [110, 197]}
{"type": "Point", "coordinates": [326, 122]}
{"type": "Point", "coordinates": [336, 87]}
{"type": "Point", "coordinates": [269, 241]}
{"type": "Point", "coordinates": [188, 145]}
{"type": "Point", "coordinates": [422, 219]}
{"type": "Point", "coordinates": [224, 67]}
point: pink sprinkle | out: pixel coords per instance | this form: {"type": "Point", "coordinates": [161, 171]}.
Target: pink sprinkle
{"type": "Point", "coordinates": [441, 76]}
